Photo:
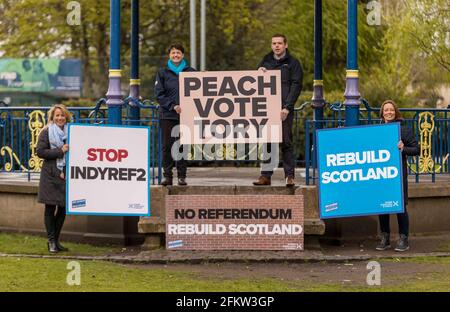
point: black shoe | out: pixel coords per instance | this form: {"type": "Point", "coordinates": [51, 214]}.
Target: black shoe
{"type": "Point", "coordinates": [385, 242]}
{"type": "Point", "coordinates": [50, 226]}
{"type": "Point", "coordinates": [402, 244]}
{"type": "Point", "coordinates": [61, 247]}
{"type": "Point", "coordinates": [290, 181]}
{"type": "Point", "coordinates": [52, 246]}
{"type": "Point", "coordinates": [59, 222]}
{"type": "Point", "coordinates": [167, 181]}
{"type": "Point", "coordinates": [182, 181]}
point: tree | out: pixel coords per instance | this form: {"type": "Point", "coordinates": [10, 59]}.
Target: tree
{"type": "Point", "coordinates": [298, 24]}
{"type": "Point", "coordinates": [38, 28]}
{"type": "Point", "coordinates": [409, 49]}
{"type": "Point", "coordinates": [415, 52]}
{"type": "Point", "coordinates": [428, 23]}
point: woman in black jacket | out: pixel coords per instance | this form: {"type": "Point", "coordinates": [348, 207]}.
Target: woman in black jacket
{"type": "Point", "coordinates": [408, 145]}
{"type": "Point", "coordinates": [167, 95]}
{"type": "Point", "coordinates": [52, 146]}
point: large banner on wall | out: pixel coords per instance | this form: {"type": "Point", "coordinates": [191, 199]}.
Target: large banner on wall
{"type": "Point", "coordinates": [107, 170]}
{"type": "Point", "coordinates": [55, 76]}
{"type": "Point", "coordinates": [360, 171]}
{"type": "Point", "coordinates": [234, 222]}
{"type": "Point", "coordinates": [230, 107]}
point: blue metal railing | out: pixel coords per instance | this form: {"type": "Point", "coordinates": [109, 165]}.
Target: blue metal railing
{"type": "Point", "coordinates": [16, 133]}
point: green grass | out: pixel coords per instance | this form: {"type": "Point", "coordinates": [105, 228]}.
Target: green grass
{"type": "Point", "coordinates": [36, 245]}
{"type": "Point", "coordinates": [29, 274]}
{"type": "Point", "coordinates": [25, 274]}
{"type": "Point", "coordinates": [444, 247]}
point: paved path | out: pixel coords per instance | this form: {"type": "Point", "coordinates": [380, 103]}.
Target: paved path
{"type": "Point", "coordinates": [429, 246]}
{"type": "Point", "coordinates": [163, 257]}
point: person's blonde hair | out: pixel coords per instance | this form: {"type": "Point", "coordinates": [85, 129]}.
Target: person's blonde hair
{"type": "Point", "coordinates": [63, 108]}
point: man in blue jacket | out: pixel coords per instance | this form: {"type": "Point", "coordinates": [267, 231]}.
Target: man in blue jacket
{"type": "Point", "coordinates": [291, 86]}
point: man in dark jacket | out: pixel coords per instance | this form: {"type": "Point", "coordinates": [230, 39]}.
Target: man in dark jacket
{"type": "Point", "coordinates": [167, 94]}
{"type": "Point", "coordinates": [291, 86]}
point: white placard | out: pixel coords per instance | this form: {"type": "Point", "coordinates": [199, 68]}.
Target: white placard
{"type": "Point", "coordinates": [108, 170]}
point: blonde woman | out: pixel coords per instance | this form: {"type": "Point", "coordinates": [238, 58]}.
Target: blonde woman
{"type": "Point", "coordinates": [52, 147]}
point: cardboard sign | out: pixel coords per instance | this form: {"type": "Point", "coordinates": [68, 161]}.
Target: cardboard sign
{"type": "Point", "coordinates": [230, 107]}
{"type": "Point", "coordinates": [107, 170]}
{"type": "Point", "coordinates": [234, 222]}
{"type": "Point", "coordinates": [360, 171]}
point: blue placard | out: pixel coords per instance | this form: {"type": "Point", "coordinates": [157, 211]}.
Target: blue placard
{"type": "Point", "coordinates": [360, 171]}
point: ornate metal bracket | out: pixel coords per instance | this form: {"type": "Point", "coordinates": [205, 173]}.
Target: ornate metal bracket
{"type": "Point", "coordinates": [36, 122]}
{"type": "Point", "coordinates": [426, 163]}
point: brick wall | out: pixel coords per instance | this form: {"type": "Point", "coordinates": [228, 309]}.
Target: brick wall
{"type": "Point", "coordinates": [228, 241]}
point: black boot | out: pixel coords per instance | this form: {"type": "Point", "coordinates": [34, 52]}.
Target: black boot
{"type": "Point", "coordinates": [52, 248]}
{"type": "Point", "coordinates": [60, 217]}
{"type": "Point", "coordinates": [50, 226]}
{"type": "Point", "coordinates": [60, 247]}
{"type": "Point", "coordinates": [385, 242]}
{"type": "Point", "coordinates": [167, 181]}
{"type": "Point", "coordinates": [182, 181]}
{"type": "Point", "coordinates": [402, 244]}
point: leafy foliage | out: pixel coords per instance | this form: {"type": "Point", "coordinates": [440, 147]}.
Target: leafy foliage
{"type": "Point", "coordinates": [406, 58]}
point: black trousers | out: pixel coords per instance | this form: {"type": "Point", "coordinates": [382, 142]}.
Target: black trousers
{"type": "Point", "coordinates": [168, 162]}
{"type": "Point", "coordinates": [403, 223]}
{"type": "Point", "coordinates": [287, 148]}
{"type": "Point", "coordinates": [54, 217]}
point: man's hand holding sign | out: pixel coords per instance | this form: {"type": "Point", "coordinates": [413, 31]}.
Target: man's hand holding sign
{"type": "Point", "coordinates": [284, 112]}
